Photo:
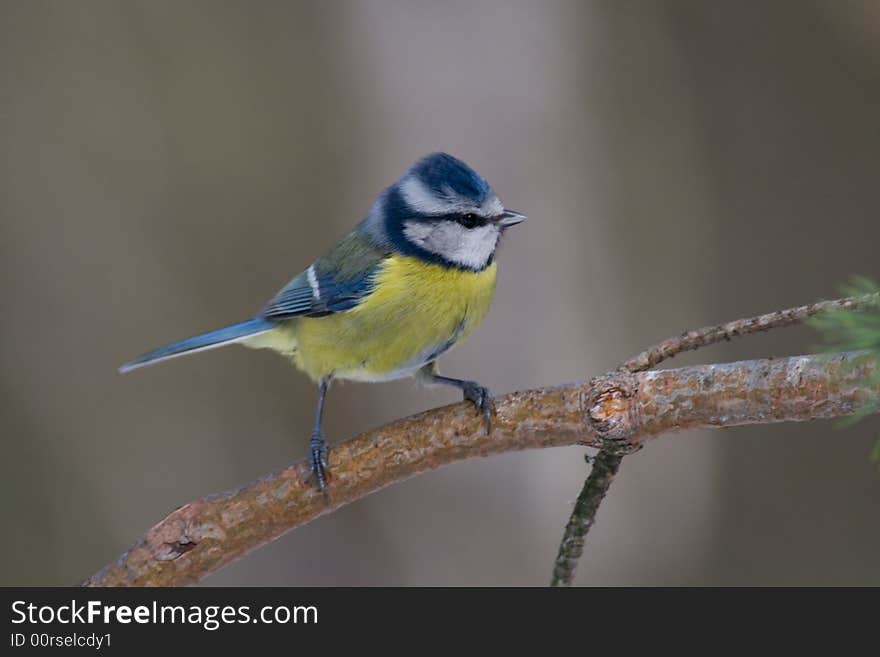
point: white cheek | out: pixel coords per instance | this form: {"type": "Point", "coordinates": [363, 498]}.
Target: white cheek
{"type": "Point", "coordinates": [417, 233]}
{"type": "Point", "coordinates": [466, 247]}
{"type": "Point", "coordinates": [476, 246]}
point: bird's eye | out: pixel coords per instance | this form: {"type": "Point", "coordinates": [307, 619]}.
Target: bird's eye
{"type": "Point", "coordinates": [469, 220]}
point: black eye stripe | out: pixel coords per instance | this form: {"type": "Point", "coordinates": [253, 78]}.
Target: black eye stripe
{"type": "Point", "coordinates": [470, 220]}
{"type": "Point", "coordinates": [466, 219]}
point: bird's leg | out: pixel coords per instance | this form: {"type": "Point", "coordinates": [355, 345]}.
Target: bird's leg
{"type": "Point", "coordinates": [471, 390]}
{"type": "Point", "coordinates": [317, 445]}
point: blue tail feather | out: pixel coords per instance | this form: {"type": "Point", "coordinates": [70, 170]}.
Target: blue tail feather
{"type": "Point", "coordinates": [209, 340]}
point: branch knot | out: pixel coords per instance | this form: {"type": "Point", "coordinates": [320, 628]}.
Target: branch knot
{"type": "Point", "coordinates": [610, 410]}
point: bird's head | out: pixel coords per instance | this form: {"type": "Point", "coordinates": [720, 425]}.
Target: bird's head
{"type": "Point", "coordinates": [442, 211]}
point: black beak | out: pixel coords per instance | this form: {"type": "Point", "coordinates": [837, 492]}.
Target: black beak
{"type": "Point", "coordinates": [510, 218]}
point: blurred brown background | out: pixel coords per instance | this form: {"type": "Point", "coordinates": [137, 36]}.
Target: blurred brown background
{"type": "Point", "coordinates": [166, 166]}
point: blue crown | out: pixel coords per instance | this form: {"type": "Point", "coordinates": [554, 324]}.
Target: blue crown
{"type": "Point", "coordinates": [439, 171]}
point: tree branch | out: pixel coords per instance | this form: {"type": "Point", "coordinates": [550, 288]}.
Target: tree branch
{"type": "Point", "coordinates": [619, 410]}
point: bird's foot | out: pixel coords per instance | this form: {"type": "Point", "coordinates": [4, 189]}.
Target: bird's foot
{"type": "Point", "coordinates": [482, 399]}
{"type": "Point", "coordinates": [318, 461]}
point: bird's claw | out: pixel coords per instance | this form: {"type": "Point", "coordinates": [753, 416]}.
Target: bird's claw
{"type": "Point", "coordinates": [482, 399]}
{"type": "Point", "coordinates": [318, 461]}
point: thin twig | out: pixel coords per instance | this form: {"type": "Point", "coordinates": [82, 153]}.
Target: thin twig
{"type": "Point", "coordinates": [605, 465]}
{"type": "Point", "coordinates": [713, 334]}
{"type": "Point", "coordinates": [621, 409]}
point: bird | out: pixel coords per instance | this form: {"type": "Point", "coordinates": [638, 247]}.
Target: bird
{"type": "Point", "coordinates": [414, 278]}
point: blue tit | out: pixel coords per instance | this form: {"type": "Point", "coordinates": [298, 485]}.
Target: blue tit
{"type": "Point", "coordinates": [412, 280]}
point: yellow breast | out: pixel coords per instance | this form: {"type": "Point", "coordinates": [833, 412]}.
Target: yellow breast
{"type": "Point", "coordinates": [416, 311]}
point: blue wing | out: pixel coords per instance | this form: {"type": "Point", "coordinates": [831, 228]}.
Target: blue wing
{"type": "Point", "coordinates": [323, 295]}
{"type": "Point", "coordinates": [336, 282]}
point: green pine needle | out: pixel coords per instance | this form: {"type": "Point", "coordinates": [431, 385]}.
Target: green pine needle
{"type": "Point", "coordinates": [854, 330]}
